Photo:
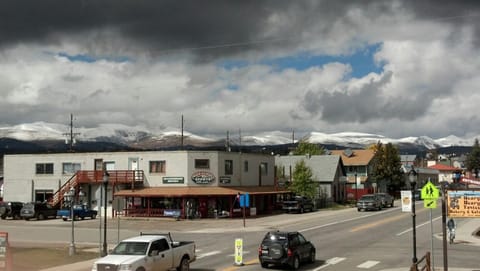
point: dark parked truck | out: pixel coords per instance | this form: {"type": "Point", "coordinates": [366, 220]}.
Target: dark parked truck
{"type": "Point", "coordinates": [38, 210]}
{"type": "Point", "coordinates": [298, 205]}
{"type": "Point", "coordinates": [148, 252]}
{"type": "Point", "coordinates": [79, 212]}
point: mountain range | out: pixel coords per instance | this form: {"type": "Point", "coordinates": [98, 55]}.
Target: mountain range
{"type": "Point", "coordinates": [50, 137]}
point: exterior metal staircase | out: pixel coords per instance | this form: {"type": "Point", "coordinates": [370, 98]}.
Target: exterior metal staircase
{"type": "Point", "coordinates": [132, 177]}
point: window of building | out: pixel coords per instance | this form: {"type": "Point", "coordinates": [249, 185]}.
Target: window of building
{"type": "Point", "coordinates": [228, 167]}
{"type": "Point", "coordinates": [264, 169]}
{"type": "Point", "coordinates": [202, 163]}
{"type": "Point", "coordinates": [157, 166]}
{"type": "Point", "coordinates": [245, 166]}
{"type": "Point", "coordinates": [44, 168]}
{"type": "Point", "coordinates": [70, 168]}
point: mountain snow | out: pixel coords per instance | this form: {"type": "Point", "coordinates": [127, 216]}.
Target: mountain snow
{"type": "Point", "coordinates": [123, 133]}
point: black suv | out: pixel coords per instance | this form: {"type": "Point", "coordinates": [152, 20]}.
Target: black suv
{"type": "Point", "coordinates": [285, 248]}
{"type": "Point", "coordinates": [38, 210]}
{"type": "Point", "coordinates": [10, 209]}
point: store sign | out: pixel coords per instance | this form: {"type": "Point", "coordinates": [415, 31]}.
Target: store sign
{"type": "Point", "coordinates": [203, 177]}
{"type": "Point", "coordinates": [463, 203]}
{"type": "Point", "coordinates": [225, 180]}
{"type": "Point", "coordinates": [172, 180]}
{"type": "Point", "coordinates": [406, 200]}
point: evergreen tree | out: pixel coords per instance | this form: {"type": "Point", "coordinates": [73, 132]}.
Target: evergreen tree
{"type": "Point", "coordinates": [472, 163]}
{"type": "Point", "coordinates": [302, 182]}
{"type": "Point", "coordinates": [387, 166]}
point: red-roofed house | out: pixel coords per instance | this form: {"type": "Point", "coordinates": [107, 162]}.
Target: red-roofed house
{"type": "Point", "coordinates": [446, 173]}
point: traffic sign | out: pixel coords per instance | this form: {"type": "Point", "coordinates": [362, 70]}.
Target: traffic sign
{"type": "Point", "coordinates": [429, 191]}
{"type": "Point", "coordinates": [430, 203]}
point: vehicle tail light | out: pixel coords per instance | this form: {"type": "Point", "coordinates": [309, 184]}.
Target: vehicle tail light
{"type": "Point", "coordinates": [289, 253]}
{"type": "Point", "coordinates": [260, 250]}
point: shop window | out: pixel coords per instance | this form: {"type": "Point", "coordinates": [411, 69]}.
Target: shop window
{"type": "Point", "coordinates": [44, 168]}
{"type": "Point", "coordinates": [264, 169]}
{"type": "Point", "coordinates": [70, 168]}
{"type": "Point", "coordinates": [228, 167]}
{"type": "Point", "coordinates": [157, 166]}
{"type": "Point", "coordinates": [202, 163]}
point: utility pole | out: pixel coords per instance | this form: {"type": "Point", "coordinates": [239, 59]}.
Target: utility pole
{"type": "Point", "coordinates": [182, 135]}
{"type": "Point", "coordinates": [71, 134]}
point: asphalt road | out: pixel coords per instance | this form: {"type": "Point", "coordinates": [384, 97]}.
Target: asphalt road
{"type": "Point", "coordinates": [345, 239]}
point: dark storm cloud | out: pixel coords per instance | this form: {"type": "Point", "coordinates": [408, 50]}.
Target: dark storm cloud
{"type": "Point", "coordinates": [213, 27]}
{"type": "Point", "coordinates": [366, 104]}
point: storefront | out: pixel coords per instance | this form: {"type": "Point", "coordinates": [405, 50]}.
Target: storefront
{"type": "Point", "coordinates": [201, 202]}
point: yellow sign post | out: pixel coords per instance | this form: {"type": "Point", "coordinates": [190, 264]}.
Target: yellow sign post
{"type": "Point", "coordinates": [430, 194]}
{"type": "Point", "coordinates": [238, 251]}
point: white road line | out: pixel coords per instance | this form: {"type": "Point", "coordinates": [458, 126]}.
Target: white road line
{"type": "Point", "coordinates": [329, 262]}
{"type": "Point", "coordinates": [418, 226]}
{"type": "Point", "coordinates": [208, 254]}
{"type": "Point", "coordinates": [346, 220]}
{"type": "Point", "coordinates": [368, 264]}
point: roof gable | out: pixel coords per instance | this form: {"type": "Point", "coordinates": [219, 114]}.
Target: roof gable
{"type": "Point", "coordinates": [357, 157]}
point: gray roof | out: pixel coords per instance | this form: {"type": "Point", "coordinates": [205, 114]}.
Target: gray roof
{"type": "Point", "coordinates": [324, 167]}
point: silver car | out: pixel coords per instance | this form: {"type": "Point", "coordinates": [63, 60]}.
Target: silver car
{"type": "Point", "coordinates": [369, 202]}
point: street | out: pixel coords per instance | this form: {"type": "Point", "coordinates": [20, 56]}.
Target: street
{"type": "Point", "coordinates": [345, 239]}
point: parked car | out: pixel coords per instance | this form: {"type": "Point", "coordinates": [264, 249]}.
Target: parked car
{"type": "Point", "coordinates": [369, 202]}
{"type": "Point", "coordinates": [148, 252]}
{"type": "Point", "coordinates": [10, 209]}
{"type": "Point", "coordinates": [38, 210]}
{"type": "Point", "coordinates": [285, 249]}
{"type": "Point", "coordinates": [387, 199]}
{"type": "Point", "coordinates": [79, 212]}
{"type": "Point", "coordinates": [298, 204]}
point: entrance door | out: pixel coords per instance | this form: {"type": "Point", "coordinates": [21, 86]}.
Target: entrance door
{"type": "Point", "coordinates": [133, 165]}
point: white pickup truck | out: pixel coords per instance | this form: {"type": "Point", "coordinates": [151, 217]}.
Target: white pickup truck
{"type": "Point", "coordinates": [148, 252]}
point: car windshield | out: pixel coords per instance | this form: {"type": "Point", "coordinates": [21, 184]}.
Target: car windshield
{"type": "Point", "coordinates": [370, 197]}
{"type": "Point", "coordinates": [130, 248]}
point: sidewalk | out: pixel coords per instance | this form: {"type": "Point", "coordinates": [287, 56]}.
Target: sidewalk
{"type": "Point", "coordinates": [465, 234]}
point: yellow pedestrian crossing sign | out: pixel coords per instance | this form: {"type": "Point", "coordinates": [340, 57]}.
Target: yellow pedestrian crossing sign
{"type": "Point", "coordinates": [429, 191]}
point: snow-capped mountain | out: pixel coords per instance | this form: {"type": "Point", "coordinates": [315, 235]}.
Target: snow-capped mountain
{"type": "Point", "coordinates": [137, 135]}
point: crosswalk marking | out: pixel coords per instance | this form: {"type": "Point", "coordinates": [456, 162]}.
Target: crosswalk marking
{"type": "Point", "coordinates": [208, 254]}
{"type": "Point", "coordinates": [329, 262]}
{"type": "Point", "coordinates": [368, 264]}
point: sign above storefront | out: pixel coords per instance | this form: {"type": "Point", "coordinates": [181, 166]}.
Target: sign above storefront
{"type": "Point", "coordinates": [174, 180]}
{"type": "Point", "coordinates": [224, 179]}
{"type": "Point", "coordinates": [203, 177]}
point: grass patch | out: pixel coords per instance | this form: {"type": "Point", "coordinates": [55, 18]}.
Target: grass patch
{"type": "Point", "coordinates": [32, 259]}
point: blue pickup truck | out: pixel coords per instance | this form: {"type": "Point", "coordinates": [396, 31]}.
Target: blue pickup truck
{"type": "Point", "coordinates": [79, 212]}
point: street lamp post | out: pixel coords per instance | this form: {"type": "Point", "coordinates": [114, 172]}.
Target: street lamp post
{"type": "Point", "coordinates": [356, 188]}
{"type": "Point", "coordinates": [105, 184]}
{"type": "Point", "coordinates": [412, 176]}
{"type": "Point", "coordinates": [69, 197]}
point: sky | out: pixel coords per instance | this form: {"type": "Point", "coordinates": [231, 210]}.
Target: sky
{"type": "Point", "coordinates": [394, 68]}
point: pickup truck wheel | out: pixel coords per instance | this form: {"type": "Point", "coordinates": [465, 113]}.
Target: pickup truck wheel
{"type": "Point", "coordinates": [64, 218]}
{"type": "Point", "coordinates": [184, 265]}
{"type": "Point", "coordinates": [4, 216]}
{"type": "Point", "coordinates": [40, 216]}
{"type": "Point", "coordinates": [264, 265]}
{"type": "Point", "coordinates": [140, 269]}
{"type": "Point", "coordinates": [94, 216]}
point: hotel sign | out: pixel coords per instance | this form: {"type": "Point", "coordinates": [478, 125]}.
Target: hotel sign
{"type": "Point", "coordinates": [463, 203]}
{"type": "Point", "coordinates": [203, 177]}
